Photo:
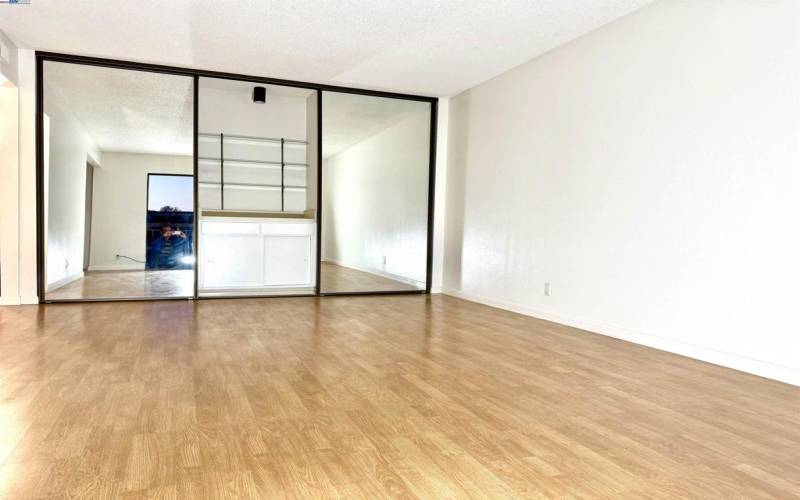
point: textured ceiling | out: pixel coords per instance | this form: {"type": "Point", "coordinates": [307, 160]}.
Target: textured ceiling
{"type": "Point", "coordinates": [417, 46]}
{"type": "Point", "coordinates": [125, 111]}
{"type": "Point", "coordinates": [350, 118]}
{"type": "Point", "coordinates": [143, 112]}
{"type": "Point", "coordinates": [247, 87]}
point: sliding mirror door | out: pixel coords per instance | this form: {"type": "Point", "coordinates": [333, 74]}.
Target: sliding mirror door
{"type": "Point", "coordinates": [375, 180]}
{"type": "Point", "coordinates": [110, 229]}
{"type": "Point", "coordinates": [257, 189]}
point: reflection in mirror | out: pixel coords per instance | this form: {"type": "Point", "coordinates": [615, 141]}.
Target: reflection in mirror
{"type": "Point", "coordinates": [375, 171]}
{"type": "Point", "coordinates": [118, 185]}
{"type": "Point", "coordinates": [170, 222]}
{"type": "Point", "coordinates": [257, 189]}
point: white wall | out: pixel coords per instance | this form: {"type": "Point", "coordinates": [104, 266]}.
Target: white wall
{"type": "Point", "coordinates": [70, 147]}
{"type": "Point", "coordinates": [119, 200]}
{"type": "Point", "coordinates": [27, 176]}
{"type": "Point", "coordinates": [9, 173]}
{"type": "Point", "coordinates": [9, 198]}
{"type": "Point", "coordinates": [311, 151]}
{"type": "Point", "coordinates": [440, 195]}
{"type": "Point", "coordinates": [233, 112]}
{"type": "Point", "coordinates": [17, 269]}
{"type": "Point", "coordinates": [650, 171]}
{"type": "Point", "coordinates": [9, 64]}
{"type": "Point", "coordinates": [375, 201]}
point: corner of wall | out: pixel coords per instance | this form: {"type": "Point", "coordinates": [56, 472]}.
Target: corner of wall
{"type": "Point", "coordinates": [440, 193]}
{"type": "Point", "coordinates": [19, 182]}
{"type": "Point", "coordinates": [9, 55]}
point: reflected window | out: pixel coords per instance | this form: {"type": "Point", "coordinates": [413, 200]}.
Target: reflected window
{"type": "Point", "coordinates": [170, 222]}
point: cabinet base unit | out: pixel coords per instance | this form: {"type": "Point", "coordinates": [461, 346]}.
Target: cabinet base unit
{"type": "Point", "coordinates": [256, 256]}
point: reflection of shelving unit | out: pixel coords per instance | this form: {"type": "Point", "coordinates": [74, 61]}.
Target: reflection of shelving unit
{"type": "Point", "coordinates": [245, 173]}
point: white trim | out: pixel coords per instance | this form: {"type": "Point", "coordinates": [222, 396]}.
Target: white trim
{"type": "Point", "coordinates": [118, 267]}
{"type": "Point", "coordinates": [29, 299]}
{"type": "Point", "coordinates": [63, 281]}
{"type": "Point", "coordinates": [384, 274]}
{"type": "Point", "coordinates": [766, 369]}
{"type": "Point", "coordinates": [18, 300]}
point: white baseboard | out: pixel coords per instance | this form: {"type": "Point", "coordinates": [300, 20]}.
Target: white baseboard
{"type": "Point", "coordinates": [63, 281]}
{"type": "Point", "coordinates": [419, 284]}
{"type": "Point", "coordinates": [10, 301]}
{"type": "Point", "coordinates": [118, 267]}
{"type": "Point", "coordinates": [29, 299]}
{"type": "Point", "coordinates": [18, 300]}
{"type": "Point", "coordinates": [761, 368]}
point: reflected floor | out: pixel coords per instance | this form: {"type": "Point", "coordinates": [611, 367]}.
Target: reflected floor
{"type": "Point", "coordinates": [336, 278]}
{"type": "Point", "coordinates": [128, 284]}
{"type": "Point", "coordinates": [180, 283]}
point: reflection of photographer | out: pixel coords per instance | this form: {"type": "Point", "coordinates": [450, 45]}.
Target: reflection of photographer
{"type": "Point", "coordinates": [167, 232]}
{"type": "Point", "coordinates": [171, 250]}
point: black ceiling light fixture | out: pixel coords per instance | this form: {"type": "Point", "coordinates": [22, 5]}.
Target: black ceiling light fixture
{"type": "Point", "coordinates": [259, 95]}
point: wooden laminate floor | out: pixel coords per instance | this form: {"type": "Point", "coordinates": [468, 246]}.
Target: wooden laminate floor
{"type": "Point", "coordinates": [371, 397]}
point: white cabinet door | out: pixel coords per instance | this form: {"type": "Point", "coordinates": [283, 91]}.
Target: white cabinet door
{"type": "Point", "coordinates": [232, 260]}
{"type": "Point", "coordinates": [287, 260]}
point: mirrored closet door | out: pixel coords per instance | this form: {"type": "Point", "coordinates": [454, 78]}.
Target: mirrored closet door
{"type": "Point", "coordinates": [117, 184]}
{"type": "Point", "coordinates": [375, 180]}
{"type": "Point", "coordinates": [257, 196]}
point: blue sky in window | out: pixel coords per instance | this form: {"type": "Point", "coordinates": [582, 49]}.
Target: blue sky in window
{"type": "Point", "coordinates": [172, 190]}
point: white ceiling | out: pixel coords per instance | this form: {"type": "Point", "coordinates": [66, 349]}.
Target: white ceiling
{"type": "Point", "coordinates": [247, 87]}
{"type": "Point", "coordinates": [123, 110]}
{"type": "Point", "coordinates": [417, 46]}
{"type": "Point", "coordinates": [350, 118]}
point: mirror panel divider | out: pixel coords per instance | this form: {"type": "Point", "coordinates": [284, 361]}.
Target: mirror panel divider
{"type": "Point", "coordinates": [196, 173]}
{"type": "Point", "coordinates": [431, 195]}
{"type": "Point", "coordinates": [319, 193]}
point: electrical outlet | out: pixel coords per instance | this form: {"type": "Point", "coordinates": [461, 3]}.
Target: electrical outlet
{"type": "Point", "coordinates": [383, 260]}
{"type": "Point", "coordinates": [66, 263]}
{"type": "Point", "coordinates": [546, 288]}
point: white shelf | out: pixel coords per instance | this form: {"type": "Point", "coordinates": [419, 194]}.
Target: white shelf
{"type": "Point", "coordinates": [239, 185]}
{"type": "Point", "coordinates": [253, 173]}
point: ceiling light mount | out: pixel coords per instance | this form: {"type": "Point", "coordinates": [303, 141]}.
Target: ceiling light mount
{"type": "Point", "coordinates": [259, 95]}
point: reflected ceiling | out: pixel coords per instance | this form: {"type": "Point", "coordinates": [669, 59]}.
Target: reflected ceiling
{"type": "Point", "coordinates": [350, 118]}
{"type": "Point", "coordinates": [123, 110]}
